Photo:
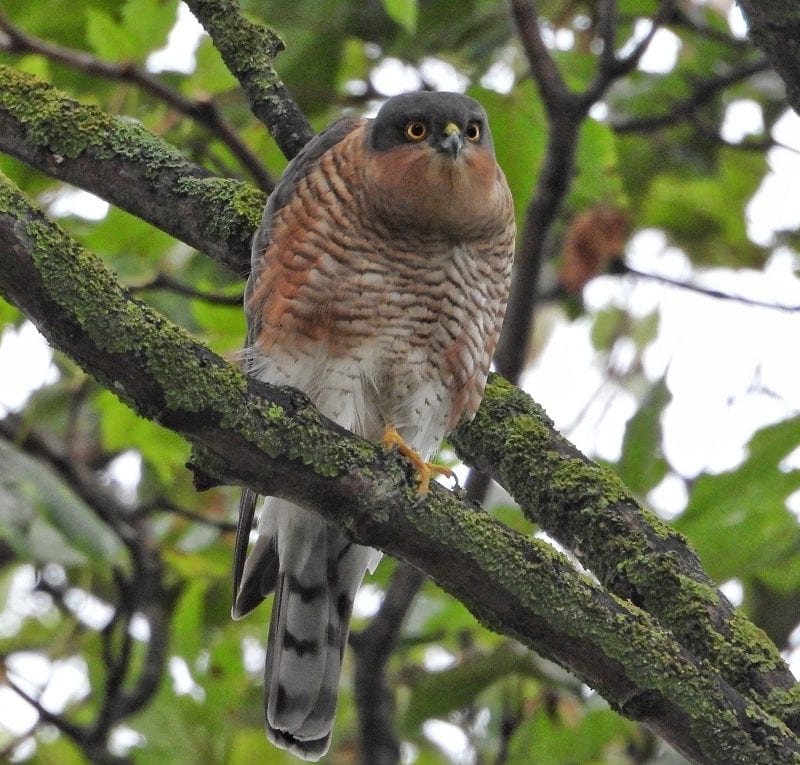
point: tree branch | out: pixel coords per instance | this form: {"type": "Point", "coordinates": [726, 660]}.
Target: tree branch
{"type": "Point", "coordinates": [632, 553]}
{"type": "Point", "coordinates": [272, 440]}
{"type": "Point", "coordinates": [566, 111]}
{"type": "Point", "coordinates": [774, 28]}
{"type": "Point", "coordinates": [710, 292]}
{"type": "Point", "coordinates": [373, 647]}
{"type": "Point", "coordinates": [127, 165]}
{"type": "Point", "coordinates": [168, 284]}
{"type": "Point", "coordinates": [248, 50]}
{"type": "Point", "coordinates": [702, 92]}
{"type": "Point", "coordinates": [203, 112]}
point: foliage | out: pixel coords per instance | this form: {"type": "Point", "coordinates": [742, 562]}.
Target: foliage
{"type": "Point", "coordinates": [654, 151]}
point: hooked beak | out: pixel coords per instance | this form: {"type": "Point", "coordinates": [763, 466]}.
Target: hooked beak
{"type": "Point", "coordinates": [451, 143]}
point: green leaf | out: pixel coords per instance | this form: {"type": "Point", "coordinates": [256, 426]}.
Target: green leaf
{"type": "Point", "coordinates": [437, 694]}
{"type": "Point", "coordinates": [187, 624]}
{"type": "Point", "coordinates": [404, 12]}
{"type": "Point", "coordinates": [42, 519]}
{"type": "Point", "coordinates": [211, 76]}
{"type": "Point", "coordinates": [600, 736]}
{"type": "Point", "coordinates": [108, 39]}
{"type": "Point", "coordinates": [121, 429]}
{"type": "Point", "coordinates": [641, 465]}
{"type": "Point", "coordinates": [150, 21]}
{"type": "Point", "coordinates": [9, 314]}
{"type": "Point", "coordinates": [597, 177]}
{"type": "Point", "coordinates": [607, 327]}
{"type": "Point", "coordinates": [518, 127]}
{"type": "Point", "coordinates": [738, 520]}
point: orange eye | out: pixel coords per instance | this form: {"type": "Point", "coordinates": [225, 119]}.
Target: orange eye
{"type": "Point", "coordinates": [416, 131]}
{"type": "Point", "coordinates": [473, 132]}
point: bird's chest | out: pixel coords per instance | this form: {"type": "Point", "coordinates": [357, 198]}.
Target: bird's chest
{"type": "Point", "coordinates": [408, 305]}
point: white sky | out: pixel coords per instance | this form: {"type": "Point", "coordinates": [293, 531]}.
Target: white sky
{"type": "Point", "coordinates": [709, 349]}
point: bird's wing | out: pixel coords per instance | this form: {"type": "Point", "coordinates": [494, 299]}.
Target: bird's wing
{"type": "Point", "coordinates": [295, 171]}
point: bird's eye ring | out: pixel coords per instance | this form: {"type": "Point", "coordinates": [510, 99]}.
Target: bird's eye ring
{"type": "Point", "coordinates": [473, 132]}
{"type": "Point", "coordinates": [416, 131]}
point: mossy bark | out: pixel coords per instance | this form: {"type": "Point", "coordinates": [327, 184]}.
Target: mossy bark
{"type": "Point", "coordinates": [636, 556]}
{"type": "Point", "coordinates": [127, 165]}
{"type": "Point", "coordinates": [248, 50]}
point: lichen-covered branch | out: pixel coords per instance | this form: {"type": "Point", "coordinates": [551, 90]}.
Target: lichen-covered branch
{"type": "Point", "coordinates": [273, 440]}
{"type": "Point", "coordinates": [248, 50]}
{"type": "Point", "coordinates": [637, 557]}
{"type": "Point", "coordinates": [203, 111]}
{"type": "Point", "coordinates": [127, 165]}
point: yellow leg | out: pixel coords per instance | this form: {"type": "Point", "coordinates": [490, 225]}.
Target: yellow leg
{"type": "Point", "coordinates": [425, 470]}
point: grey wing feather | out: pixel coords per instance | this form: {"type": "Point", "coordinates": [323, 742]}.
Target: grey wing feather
{"type": "Point", "coordinates": [247, 509]}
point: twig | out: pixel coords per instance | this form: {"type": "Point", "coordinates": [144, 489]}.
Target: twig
{"type": "Point", "coordinates": [702, 92]}
{"type": "Point", "coordinates": [248, 49]}
{"type": "Point", "coordinates": [708, 291]}
{"type": "Point", "coordinates": [164, 282]}
{"type": "Point", "coordinates": [66, 727]}
{"type": "Point", "coordinates": [682, 19]}
{"type": "Point", "coordinates": [203, 111]}
{"type": "Point", "coordinates": [167, 506]}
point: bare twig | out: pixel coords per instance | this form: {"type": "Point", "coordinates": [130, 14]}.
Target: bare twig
{"type": "Point", "coordinates": [164, 282]}
{"type": "Point", "coordinates": [709, 291]}
{"type": "Point", "coordinates": [702, 92]}
{"type": "Point", "coordinates": [166, 505]}
{"type": "Point", "coordinates": [204, 112]}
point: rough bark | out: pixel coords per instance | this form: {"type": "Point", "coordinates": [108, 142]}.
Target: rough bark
{"type": "Point", "coordinates": [124, 163]}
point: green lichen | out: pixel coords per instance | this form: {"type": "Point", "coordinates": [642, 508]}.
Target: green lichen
{"type": "Point", "coordinates": [68, 128]}
{"type": "Point", "coordinates": [238, 205]}
{"type": "Point", "coordinates": [590, 510]}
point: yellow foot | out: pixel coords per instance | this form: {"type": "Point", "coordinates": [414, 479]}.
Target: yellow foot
{"type": "Point", "coordinates": [425, 470]}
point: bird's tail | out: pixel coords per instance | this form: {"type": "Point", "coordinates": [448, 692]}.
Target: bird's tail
{"type": "Point", "coordinates": [315, 572]}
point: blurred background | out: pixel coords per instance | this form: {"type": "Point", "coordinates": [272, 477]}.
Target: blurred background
{"type": "Point", "coordinates": [663, 318]}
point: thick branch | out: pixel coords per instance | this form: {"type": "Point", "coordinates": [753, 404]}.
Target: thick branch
{"type": "Point", "coordinates": [124, 163]}
{"type": "Point", "coordinates": [272, 440]}
{"type": "Point", "coordinates": [632, 553]}
{"type": "Point", "coordinates": [248, 50]}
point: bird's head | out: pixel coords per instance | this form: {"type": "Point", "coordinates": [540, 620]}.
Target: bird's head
{"type": "Point", "coordinates": [430, 163]}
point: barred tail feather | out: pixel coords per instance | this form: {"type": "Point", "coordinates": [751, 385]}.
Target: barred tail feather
{"type": "Point", "coordinates": [318, 574]}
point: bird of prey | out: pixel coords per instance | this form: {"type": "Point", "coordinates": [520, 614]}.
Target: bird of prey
{"type": "Point", "coordinates": [379, 280]}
